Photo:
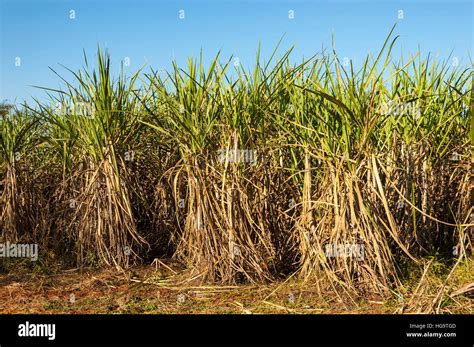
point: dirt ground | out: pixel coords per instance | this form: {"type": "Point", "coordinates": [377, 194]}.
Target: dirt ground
{"type": "Point", "coordinates": [165, 289]}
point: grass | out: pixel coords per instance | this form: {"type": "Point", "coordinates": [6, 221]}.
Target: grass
{"type": "Point", "coordinates": [248, 176]}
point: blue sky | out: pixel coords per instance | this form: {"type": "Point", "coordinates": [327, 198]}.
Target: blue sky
{"type": "Point", "coordinates": [42, 34]}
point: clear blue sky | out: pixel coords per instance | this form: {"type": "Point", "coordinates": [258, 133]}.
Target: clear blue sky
{"type": "Point", "coordinates": [41, 33]}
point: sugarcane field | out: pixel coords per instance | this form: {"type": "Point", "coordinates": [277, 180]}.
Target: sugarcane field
{"type": "Point", "coordinates": [287, 179]}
